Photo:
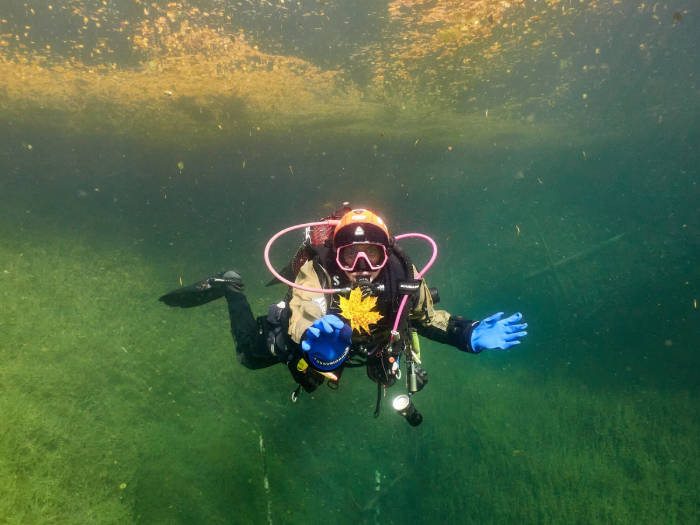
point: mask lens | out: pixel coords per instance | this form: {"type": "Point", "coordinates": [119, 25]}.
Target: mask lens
{"type": "Point", "coordinates": [347, 255]}
{"type": "Point", "coordinates": [375, 254]}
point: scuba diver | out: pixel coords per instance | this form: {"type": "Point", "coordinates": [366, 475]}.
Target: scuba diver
{"type": "Point", "coordinates": [354, 299]}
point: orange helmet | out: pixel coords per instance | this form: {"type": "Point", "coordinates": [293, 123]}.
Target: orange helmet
{"type": "Point", "coordinates": [360, 226]}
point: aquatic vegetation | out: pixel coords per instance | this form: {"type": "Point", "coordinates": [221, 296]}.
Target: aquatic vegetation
{"type": "Point", "coordinates": [159, 70]}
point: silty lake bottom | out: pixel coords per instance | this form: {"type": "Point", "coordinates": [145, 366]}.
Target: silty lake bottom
{"type": "Point", "coordinates": [118, 409]}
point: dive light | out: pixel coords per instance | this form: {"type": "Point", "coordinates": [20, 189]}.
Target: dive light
{"type": "Point", "coordinates": [404, 406]}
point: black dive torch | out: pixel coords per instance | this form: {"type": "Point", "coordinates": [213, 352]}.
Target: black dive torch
{"type": "Point", "coordinates": [404, 406]}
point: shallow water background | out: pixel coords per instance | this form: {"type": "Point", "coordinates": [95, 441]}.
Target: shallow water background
{"type": "Point", "coordinates": [556, 170]}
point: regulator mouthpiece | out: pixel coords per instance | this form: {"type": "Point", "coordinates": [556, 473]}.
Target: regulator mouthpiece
{"type": "Point", "coordinates": [404, 406]}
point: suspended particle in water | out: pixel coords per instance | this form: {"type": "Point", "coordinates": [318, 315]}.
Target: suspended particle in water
{"type": "Point", "coordinates": [180, 165]}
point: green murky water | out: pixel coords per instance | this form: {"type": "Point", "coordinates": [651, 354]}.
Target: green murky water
{"type": "Point", "coordinates": [581, 212]}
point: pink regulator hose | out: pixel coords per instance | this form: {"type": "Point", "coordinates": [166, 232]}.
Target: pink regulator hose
{"type": "Point", "coordinates": [266, 255]}
{"type": "Point", "coordinates": [418, 276]}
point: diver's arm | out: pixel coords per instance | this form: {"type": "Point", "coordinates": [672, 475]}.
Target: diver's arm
{"type": "Point", "coordinates": [494, 332]}
{"type": "Point", "coordinates": [440, 325]}
{"type": "Point", "coordinates": [305, 307]}
{"type": "Point", "coordinates": [456, 331]}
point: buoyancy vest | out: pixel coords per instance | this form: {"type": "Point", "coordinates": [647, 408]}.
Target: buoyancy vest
{"type": "Point", "coordinates": [397, 269]}
{"type": "Point", "coordinates": [371, 349]}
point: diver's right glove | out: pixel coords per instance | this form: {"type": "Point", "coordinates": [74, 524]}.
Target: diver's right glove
{"type": "Point", "coordinates": [494, 332]}
{"type": "Point", "coordinates": [327, 342]}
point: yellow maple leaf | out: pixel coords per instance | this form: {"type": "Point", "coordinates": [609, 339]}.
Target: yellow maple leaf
{"type": "Point", "coordinates": [358, 310]}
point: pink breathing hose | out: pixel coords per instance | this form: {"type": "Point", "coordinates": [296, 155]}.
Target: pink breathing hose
{"type": "Point", "coordinates": [266, 255]}
{"type": "Point", "coordinates": [418, 276]}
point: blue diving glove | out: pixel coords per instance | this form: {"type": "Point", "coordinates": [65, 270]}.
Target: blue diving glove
{"type": "Point", "coordinates": [327, 342]}
{"type": "Point", "coordinates": [494, 332]}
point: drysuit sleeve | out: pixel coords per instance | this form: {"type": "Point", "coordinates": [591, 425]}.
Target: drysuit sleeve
{"type": "Point", "coordinates": [305, 307]}
{"type": "Point", "coordinates": [440, 325]}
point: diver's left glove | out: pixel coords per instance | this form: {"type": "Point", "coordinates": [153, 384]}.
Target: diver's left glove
{"type": "Point", "coordinates": [327, 342]}
{"type": "Point", "coordinates": [494, 332]}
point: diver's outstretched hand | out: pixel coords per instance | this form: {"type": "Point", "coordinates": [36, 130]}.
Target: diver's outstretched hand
{"type": "Point", "coordinates": [325, 330]}
{"type": "Point", "coordinates": [326, 341]}
{"type": "Point", "coordinates": [494, 332]}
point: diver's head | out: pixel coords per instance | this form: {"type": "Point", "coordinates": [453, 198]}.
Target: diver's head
{"type": "Point", "coordinates": [361, 243]}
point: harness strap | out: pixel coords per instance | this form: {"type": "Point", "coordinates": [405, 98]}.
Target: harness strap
{"type": "Point", "coordinates": [379, 399]}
